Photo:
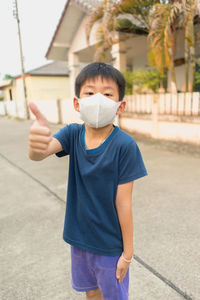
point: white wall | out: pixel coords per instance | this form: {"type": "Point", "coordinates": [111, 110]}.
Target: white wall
{"type": "Point", "coordinates": [48, 108]}
{"type": "Point", "coordinates": [11, 108]}
{"type": "Point", "coordinates": [176, 131]}
{"type": "Point", "coordinates": [161, 129]}
{"type": "Point", "coordinates": [2, 108]}
{"type": "Point", "coordinates": [68, 113]}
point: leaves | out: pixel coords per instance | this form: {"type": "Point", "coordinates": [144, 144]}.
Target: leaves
{"type": "Point", "coordinates": [197, 74]}
{"type": "Point", "coordinates": [125, 17]}
{"type": "Point", "coordinates": [118, 20]}
{"type": "Point", "coordinates": [7, 77]}
{"type": "Point", "coordinates": [149, 79]}
{"type": "Point", "coordinates": [162, 22]}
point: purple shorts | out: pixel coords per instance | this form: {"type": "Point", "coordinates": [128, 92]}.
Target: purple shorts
{"type": "Point", "coordinates": [91, 271]}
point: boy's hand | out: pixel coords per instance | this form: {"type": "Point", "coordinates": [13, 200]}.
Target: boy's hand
{"type": "Point", "coordinates": [40, 134]}
{"type": "Point", "coordinates": [122, 268]}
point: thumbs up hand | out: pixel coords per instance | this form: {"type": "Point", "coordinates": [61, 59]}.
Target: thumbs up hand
{"type": "Point", "coordinates": [40, 118]}
{"type": "Point", "coordinates": [39, 135]}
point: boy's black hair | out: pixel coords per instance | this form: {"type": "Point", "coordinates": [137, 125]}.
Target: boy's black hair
{"type": "Point", "coordinates": [104, 71]}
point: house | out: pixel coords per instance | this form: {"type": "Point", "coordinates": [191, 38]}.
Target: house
{"type": "Point", "coordinates": [69, 44]}
{"type": "Point", "coordinates": [50, 81]}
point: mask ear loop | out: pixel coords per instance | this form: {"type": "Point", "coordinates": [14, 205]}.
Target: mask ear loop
{"type": "Point", "coordinates": [97, 119]}
{"type": "Point", "coordinates": [118, 105]}
{"type": "Point", "coordinates": [79, 114]}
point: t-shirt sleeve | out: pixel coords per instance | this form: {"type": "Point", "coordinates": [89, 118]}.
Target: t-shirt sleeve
{"type": "Point", "coordinates": [131, 164]}
{"type": "Point", "coordinates": [63, 136]}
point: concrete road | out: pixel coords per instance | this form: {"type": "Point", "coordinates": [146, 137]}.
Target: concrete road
{"type": "Point", "coordinates": [35, 261]}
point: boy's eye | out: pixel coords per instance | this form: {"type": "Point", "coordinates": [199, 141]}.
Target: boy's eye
{"type": "Point", "coordinates": [89, 93]}
{"type": "Point", "coordinates": [108, 95]}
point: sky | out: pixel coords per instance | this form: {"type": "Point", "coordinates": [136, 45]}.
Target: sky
{"type": "Point", "coordinates": [38, 21]}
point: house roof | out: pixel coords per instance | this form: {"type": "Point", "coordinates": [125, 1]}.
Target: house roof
{"type": "Point", "coordinates": [57, 68]}
{"type": "Point", "coordinates": [5, 83]}
{"type": "Point", "coordinates": [73, 14]}
{"type": "Point", "coordinates": [71, 17]}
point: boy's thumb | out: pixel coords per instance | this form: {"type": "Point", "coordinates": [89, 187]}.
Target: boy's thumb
{"type": "Point", "coordinates": [118, 274]}
{"type": "Point", "coordinates": [39, 116]}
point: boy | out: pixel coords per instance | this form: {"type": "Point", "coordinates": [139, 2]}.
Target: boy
{"type": "Point", "coordinates": [104, 162]}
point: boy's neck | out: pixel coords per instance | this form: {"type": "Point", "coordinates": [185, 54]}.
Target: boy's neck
{"type": "Point", "coordinates": [98, 133]}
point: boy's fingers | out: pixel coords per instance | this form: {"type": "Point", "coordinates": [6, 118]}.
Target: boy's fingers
{"type": "Point", "coordinates": [118, 273]}
{"type": "Point", "coordinates": [41, 146]}
{"type": "Point", "coordinates": [40, 130]}
{"type": "Point", "coordinates": [39, 116]}
{"type": "Point", "coordinates": [40, 138]}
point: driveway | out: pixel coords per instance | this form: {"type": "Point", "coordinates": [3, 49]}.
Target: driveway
{"type": "Point", "coordinates": [35, 261]}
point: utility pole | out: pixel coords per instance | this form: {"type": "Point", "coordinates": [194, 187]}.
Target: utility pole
{"type": "Point", "coordinates": [16, 16]}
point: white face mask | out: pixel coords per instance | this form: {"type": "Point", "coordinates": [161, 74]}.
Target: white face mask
{"type": "Point", "coordinates": [97, 110]}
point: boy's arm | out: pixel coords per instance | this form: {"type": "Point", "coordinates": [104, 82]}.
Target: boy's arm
{"type": "Point", "coordinates": [41, 143]}
{"type": "Point", "coordinates": [124, 211]}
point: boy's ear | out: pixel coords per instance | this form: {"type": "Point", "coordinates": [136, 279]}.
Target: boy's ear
{"type": "Point", "coordinates": [76, 104]}
{"type": "Point", "coordinates": [121, 108]}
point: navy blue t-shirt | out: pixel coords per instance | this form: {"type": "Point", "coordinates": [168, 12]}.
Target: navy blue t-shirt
{"type": "Point", "coordinates": [91, 221]}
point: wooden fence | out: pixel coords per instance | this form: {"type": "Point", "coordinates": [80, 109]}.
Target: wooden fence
{"type": "Point", "coordinates": [185, 104]}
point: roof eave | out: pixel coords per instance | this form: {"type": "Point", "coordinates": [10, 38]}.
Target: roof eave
{"type": "Point", "coordinates": [75, 3]}
{"type": "Point", "coordinates": [50, 75]}
{"type": "Point", "coordinates": [6, 83]}
{"type": "Point", "coordinates": [57, 29]}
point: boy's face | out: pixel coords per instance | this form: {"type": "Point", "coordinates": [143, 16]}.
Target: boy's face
{"type": "Point", "coordinates": [105, 86]}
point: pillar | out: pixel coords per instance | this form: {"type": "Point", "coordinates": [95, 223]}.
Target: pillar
{"type": "Point", "coordinates": [119, 56]}
{"type": "Point", "coordinates": [73, 61]}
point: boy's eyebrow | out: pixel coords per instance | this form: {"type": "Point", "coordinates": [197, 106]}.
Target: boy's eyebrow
{"type": "Point", "coordinates": [89, 86]}
{"type": "Point", "coordinates": [93, 86]}
{"type": "Point", "coordinates": [108, 87]}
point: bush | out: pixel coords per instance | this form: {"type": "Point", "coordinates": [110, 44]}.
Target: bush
{"type": "Point", "coordinates": [142, 79]}
{"type": "Point", "coordinates": [197, 77]}
{"type": "Point", "coordinates": [1, 96]}
{"type": "Point", "coordinates": [129, 81]}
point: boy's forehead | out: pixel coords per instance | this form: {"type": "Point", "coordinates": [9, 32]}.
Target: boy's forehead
{"type": "Point", "coordinates": [98, 80]}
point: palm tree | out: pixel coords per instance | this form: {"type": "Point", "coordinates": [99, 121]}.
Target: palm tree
{"type": "Point", "coordinates": [125, 17]}
{"type": "Point", "coordinates": [164, 19]}
{"type": "Point", "coordinates": [159, 19]}
{"type": "Point", "coordinates": [192, 9]}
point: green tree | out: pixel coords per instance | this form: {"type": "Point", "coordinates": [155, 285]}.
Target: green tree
{"type": "Point", "coordinates": [150, 79]}
{"type": "Point", "coordinates": [164, 20]}
{"type": "Point", "coordinates": [117, 21]}
{"type": "Point", "coordinates": [1, 97]}
{"type": "Point", "coordinates": [160, 20]}
{"type": "Point", "coordinates": [7, 77]}
{"type": "Point", "coordinates": [197, 77]}
{"type": "Point", "coordinates": [129, 81]}
{"type": "Point", "coordinates": [191, 10]}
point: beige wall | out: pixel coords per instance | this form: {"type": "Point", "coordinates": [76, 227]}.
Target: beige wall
{"type": "Point", "coordinates": [19, 94]}
{"type": "Point", "coordinates": [48, 87]}
{"type": "Point", "coordinates": [39, 88]}
{"type": "Point", "coordinates": [6, 93]}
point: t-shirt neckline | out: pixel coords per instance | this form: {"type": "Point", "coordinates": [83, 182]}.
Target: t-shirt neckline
{"type": "Point", "coordinates": [100, 147]}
